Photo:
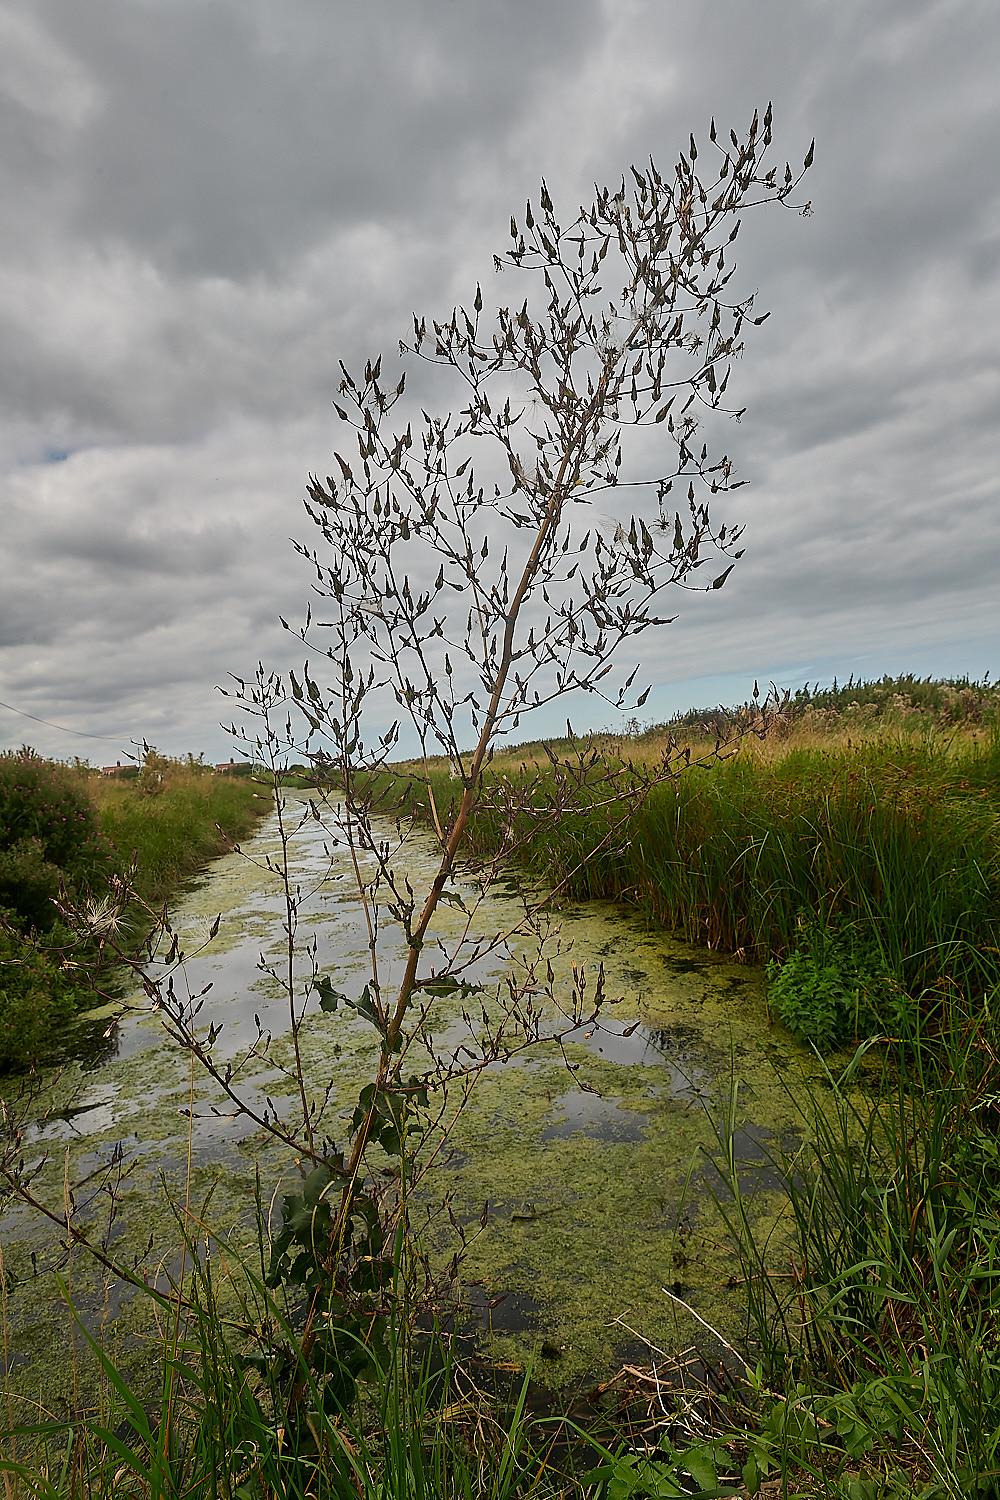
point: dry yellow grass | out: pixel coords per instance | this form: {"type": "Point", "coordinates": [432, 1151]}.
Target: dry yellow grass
{"type": "Point", "coordinates": [765, 739]}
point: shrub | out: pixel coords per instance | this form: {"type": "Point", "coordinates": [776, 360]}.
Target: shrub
{"type": "Point", "coordinates": [46, 819]}
{"type": "Point", "coordinates": [29, 884]}
{"type": "Point", "coordinates": [38, 995]}
{"type": "Point", "coordinates": [49, 832]}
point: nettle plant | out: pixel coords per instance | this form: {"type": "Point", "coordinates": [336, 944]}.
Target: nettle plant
{"type": "Point", "coordinates": [465, 575]}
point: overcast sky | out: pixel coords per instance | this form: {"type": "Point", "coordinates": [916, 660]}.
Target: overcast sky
{"type": "Point", "coordinates": [208, 203]}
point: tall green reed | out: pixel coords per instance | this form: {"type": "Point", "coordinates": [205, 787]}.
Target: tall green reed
{"type": "Point", "coordinates": [895, 839]}
{"type": "Point", "coordinates": [885, 835]}
{"type": "Point", "coordinates": [890, 1318]}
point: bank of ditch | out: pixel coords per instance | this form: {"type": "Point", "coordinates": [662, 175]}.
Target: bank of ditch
{"type": "Point", "coordinates": [176, 828]}
{"type": "Point", "coordinates": [875, 857]}
{"type": "Point", "coordinates": [860, 861]}
{"type": "Point", "coordinates": [70, 829]}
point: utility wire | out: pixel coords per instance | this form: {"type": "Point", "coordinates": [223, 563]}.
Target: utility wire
{"type": "Point", "coordinates": [81, 732]}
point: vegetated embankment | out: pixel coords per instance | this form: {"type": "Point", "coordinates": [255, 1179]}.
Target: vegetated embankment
{"type": "Point", "coordinates": [66, 833]}
{"type": "Point", "coordinates": [191, 817]}
{"type": "Point", "coordinates": [857, 855]}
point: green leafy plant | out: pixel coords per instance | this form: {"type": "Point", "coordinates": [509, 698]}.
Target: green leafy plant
{"type": "Point", "coordinates": [834, 986]}
{"type": "Point", "coordinates": [51, 849]}
{"type": "Point", "coordinates": [29, 884]}
{"type": "Point", "coordinates": [39, 992]}
{"type": "Point", "coordinates": [885, 1332]}
{"type": "Point", "coordinates": [670, 1471]}
{"type": "Point", "coordinates": [45, 816]}
{"type": "Point", "coordinates": [346, 1284]}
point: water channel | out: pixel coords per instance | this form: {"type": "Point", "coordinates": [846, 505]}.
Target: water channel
{"type": "Point", "coordinates": [596, 1177]}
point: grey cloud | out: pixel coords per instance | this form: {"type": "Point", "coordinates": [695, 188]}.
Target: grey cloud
{"type": "Point", "coordinates": [26, 617]}
{"type": "Point", "coordinates": [196, 238]}
{"type": "Point", "coordinates": [225, 143]}
{"type": "Point", "coordinates": [210, 202]}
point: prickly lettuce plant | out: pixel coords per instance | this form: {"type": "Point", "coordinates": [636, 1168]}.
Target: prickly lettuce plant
{"type": "Point", "coordinates": [471, 568]}
{"type": "Point", "coordinates": [467, 593]}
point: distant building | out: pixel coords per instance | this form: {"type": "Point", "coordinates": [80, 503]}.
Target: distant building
{"type": "Point", "coordinates": [125, 773]}
{"type": "Point", "coordinates": [234, 768]}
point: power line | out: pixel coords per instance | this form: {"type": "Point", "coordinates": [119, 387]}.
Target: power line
{"type": "Point", "coordinates": [81, 732]}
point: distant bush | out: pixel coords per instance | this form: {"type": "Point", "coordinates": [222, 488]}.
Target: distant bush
{"type": "Point", "coordinates": [950, 700]}
{"type": "Point", "coordinates": [48, 827]}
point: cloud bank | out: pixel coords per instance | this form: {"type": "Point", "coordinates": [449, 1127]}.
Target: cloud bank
{"type": "Point", "coordinates": [209, 203]}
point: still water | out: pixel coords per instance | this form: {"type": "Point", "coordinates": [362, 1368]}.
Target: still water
{"type": "Point", "coordinates": [594, 1164]}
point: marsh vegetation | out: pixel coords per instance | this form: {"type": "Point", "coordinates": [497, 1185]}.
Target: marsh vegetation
{"type": "Point", "coordinates": [868, 1363]}
{"type": "Point", "coordinates": [67, 835]}
{"type": "Point", "coordinates": [320, 1357]}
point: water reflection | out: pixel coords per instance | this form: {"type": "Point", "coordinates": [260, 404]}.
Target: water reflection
{"type": "Point", "coordinates": [602, 1119]}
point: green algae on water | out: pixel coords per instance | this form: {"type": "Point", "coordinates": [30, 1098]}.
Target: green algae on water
{"type": "Point", "coordinates": [593, 1159]}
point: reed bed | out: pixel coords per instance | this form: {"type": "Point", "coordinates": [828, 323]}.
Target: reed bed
{"type": "Point", "coordinates": [897, 837]}
{"type": "Point", "coordinates": [885, 845]}
{"type": "Point", "coordinates": [882, 1335]}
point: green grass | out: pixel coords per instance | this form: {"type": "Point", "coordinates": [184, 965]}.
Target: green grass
{"type": "Point", "coordinates": [171, 826]}
{"type": "Point", "coordinates": [218, 1423]}
{"type": "Point", "coordinates": [899, 838]}
{"type": "Point", "coordinates": [888, 848]}
{"type": "Point", "coordinates": [173, 832]}
{"type": "Point", "coordinates": [884, 1334]}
